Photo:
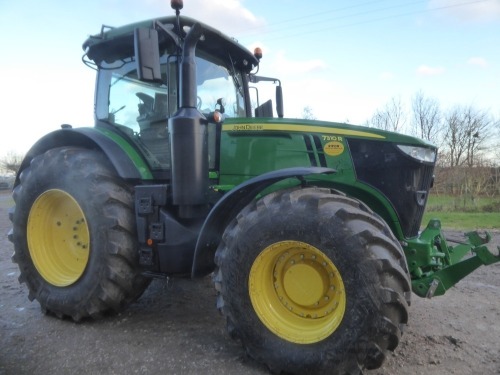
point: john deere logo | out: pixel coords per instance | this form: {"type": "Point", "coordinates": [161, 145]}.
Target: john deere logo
{"type": "Point", "coordinates": [334, 148]}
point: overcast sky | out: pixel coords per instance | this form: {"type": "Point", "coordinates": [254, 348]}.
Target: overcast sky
{"type": "Point", "coordinates": [343, 59]}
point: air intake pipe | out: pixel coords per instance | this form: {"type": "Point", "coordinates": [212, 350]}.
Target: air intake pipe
{"type": "Point", "coordinates": [188, 138]}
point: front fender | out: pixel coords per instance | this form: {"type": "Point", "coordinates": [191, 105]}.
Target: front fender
{"type": "Point", "coordinates": [229, 206]}
{"type": "Point", "coordinates": [128, 163]}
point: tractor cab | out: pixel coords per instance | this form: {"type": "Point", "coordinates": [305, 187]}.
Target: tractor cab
{"type": "Point", "coordinates": [140, 107]}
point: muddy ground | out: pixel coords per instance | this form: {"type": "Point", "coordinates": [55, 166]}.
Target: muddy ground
{"type": "Point", "coordinates": [174, 328]}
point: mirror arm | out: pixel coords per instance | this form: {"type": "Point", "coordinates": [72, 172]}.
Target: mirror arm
{"type": "Point", "coordinates": [176, 38]}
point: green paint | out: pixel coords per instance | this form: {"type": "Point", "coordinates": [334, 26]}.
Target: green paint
{"type": "Point", "coordinates": [435, 266]}
{"type": "Point", "coordinates": [134, 156]}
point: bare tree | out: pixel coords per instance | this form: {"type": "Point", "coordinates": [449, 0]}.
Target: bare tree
{"type": "Point", "coordinates": [11, 162]}
{"type": "Point", "coordinates": [496, 146]}
{"type": "Point", "coordinates": [467, 132]}
{"type": "Point", "coordinates": [307, 113]}
{"type": "Point", "coordinates": [426, 119]}
{"type": "Point", "coordinates": [391, 117]}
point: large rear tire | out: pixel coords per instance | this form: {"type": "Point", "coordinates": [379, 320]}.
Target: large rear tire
{"type": "Point", "coordinates": [73, 234]}
{"type": "Point", "coordinates": [312, 282]}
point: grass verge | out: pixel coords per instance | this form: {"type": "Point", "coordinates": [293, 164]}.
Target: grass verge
{"type": "Point", "coordinates": [464, 220]}
{"type": "Point", "coordinates": [464, 212]}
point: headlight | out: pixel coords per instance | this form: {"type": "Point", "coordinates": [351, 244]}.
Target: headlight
{"type": "Point", "coordinates": [420, 153]}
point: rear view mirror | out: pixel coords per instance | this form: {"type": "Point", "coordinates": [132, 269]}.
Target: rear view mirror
{"type": "Point", "coordinates": [279, 101]}
{"type": "Point", "coordinates": [147, 55]}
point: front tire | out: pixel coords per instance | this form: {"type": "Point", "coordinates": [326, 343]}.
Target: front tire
{"type": "Point", "coordinates": [73, 234]}
{"type": "Point", "coordinates": [312, 282]}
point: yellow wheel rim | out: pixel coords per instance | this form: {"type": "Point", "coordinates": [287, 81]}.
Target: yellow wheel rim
{"type": "Point", "coordinates": [297, 292]}
{"type": "Point", "coordinates": [58, 238]}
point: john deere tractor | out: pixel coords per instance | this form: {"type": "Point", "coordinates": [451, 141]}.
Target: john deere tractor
{"type": "Point", "coordinates": [310, 229]}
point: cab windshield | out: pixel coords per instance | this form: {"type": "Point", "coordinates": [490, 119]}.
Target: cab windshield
{"type": "Point", "coordinates": [141, 109]}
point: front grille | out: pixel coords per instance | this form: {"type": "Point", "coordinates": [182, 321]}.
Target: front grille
{"type": "Point", "coordinates": [402, 179]}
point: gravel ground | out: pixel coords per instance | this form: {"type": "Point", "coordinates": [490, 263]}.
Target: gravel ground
{"type": "Point", "coordinates": [174, 328]}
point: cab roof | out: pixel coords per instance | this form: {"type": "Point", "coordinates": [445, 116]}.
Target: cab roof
{"type": "Point", "coordinates": [118, 43]}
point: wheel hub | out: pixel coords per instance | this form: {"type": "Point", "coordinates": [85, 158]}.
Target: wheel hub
{"type": "Point", "coordinates": [297, 291]}
{"type": "Point", "coordinates": [58, 238]}
{"type": "Point", "coordinates": [302, 284]}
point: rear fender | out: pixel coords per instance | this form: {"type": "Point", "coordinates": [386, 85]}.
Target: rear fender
{"type": "Point", "coordinates": [128, 163]}
{"type": "Point", "coordinates": [228, 207]}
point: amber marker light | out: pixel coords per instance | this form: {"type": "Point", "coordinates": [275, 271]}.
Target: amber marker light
{"type": "Point", "coordinates": [176, 4]}
{"type": "Point", "coordinates": [149, 242]}
{"type": "Point", "coordinates": [257, 52]}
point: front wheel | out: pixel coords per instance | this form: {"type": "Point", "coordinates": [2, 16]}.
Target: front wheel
{"type": "Point", "coordinates": [73, 234]}
{"type": "Point", "coordinates": [312, 282]}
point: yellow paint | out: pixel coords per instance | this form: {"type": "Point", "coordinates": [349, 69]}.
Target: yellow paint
{"type": "Point", "coordinates": [331, 138]}
{"type": "Point", "coordinates": [303, 284]}
{"type": "Point", "coordinates": [300, 129]}
{"type": "Point", "coordinates": [333, 148]}
{"type": "Point", "coordinates": [297, 292]}
{"type": "Point", "coordinates": [58, 238]}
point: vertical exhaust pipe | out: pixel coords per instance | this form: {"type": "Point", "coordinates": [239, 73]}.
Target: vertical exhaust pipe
{"type": "Point", "coordinates": [188, 138]}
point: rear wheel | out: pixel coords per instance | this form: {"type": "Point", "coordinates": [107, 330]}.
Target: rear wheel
{"type": "Point", "coordinates": [312, 282]}
{"type": "Point", "coordinates": [74, 234]}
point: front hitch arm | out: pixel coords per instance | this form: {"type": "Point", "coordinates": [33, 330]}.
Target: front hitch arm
{"type": "Point", "coordinates": [435, 267]}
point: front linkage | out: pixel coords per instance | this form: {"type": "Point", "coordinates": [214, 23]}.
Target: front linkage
{"type": "Point", "coordinates": [435, 266]}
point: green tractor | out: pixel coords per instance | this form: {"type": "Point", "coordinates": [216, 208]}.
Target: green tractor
{"type": "Point", "coordinates": [309, 229]}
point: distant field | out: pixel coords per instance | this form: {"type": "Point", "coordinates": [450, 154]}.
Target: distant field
{"type": "Point", "coordinates": [464, 220]}
{"type": "Point", "coordinates": [464, 213]}
{"type": "Point", "coordinates": [465, 203]}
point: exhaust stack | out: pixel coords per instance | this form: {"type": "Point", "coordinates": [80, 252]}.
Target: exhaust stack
{"type": "Point", "coordinates": [188, 138]}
